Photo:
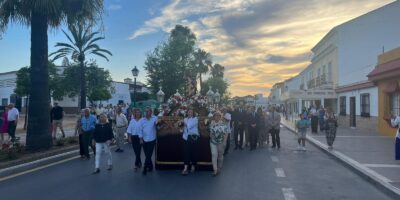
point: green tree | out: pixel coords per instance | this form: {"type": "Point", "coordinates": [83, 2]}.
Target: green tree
{"type": "Point", "coordinates": [170, 61]}
{"type": "Point", "coordinates": [202, 61]}
{"type": "Point", "coordinates": [98, 82]}
{"type": "Point", "coordinates": [216, 83]}
{"type": "Point", "coordinates": [23, 86]}
{"type": "Point", "coordinates": [81, 44]}
{"type": "Point", "coordinates": [40, 15]}
{"type": "Point", "coordinates": [217, 70]}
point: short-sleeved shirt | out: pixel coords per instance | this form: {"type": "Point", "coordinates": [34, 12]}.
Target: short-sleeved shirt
{"type": "Point", "coordinates": [303, 125]}
{"type": "Point", "coordinates": [57, 113]}
{"type": "Point", "coordinates": [88, 123]}
{"type": "Point", "coordinates": [13, 115]}
{"type": "Point", "coordinates": [218, 130]}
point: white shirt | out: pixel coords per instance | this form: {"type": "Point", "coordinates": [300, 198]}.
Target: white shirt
{"type": "Point", "coordinates": [148, 129]}
{"type": "Point", "coordinates": [134, 127]}
{"type": "Point", "coordinates": [12, 114]}
{"type": "Point", "coordinates": [121, 120]}
{"type": "Point", "coordinates": [191, 127]}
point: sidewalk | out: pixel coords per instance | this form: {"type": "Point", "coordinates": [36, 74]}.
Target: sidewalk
{"type": "Point", "coordinates": [371, 154]}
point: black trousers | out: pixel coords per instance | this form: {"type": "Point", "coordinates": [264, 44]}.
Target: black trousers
{"type": "Point", "coordinates": [87, 141]}
{"type": "Point", "coordinates": [190, 147]}
{"type": "Point", "coordinates": [314, 124]}
{"type": "Point", "coordinates": [228, 144]}
{"type": "Point", "coordinates": [253, 137]}
{"type": "Point", "coordinates": [276, 140]}
{"type": "Point", "coordinates": [137, 148]}
{"type": "Point", "coordinates": [239, 132]}
{"type": "Point", "coordinates": [148, 148]}
{"type": "Point", "coordinates": [81, 146]}
{"type": "Point", "coordinates": [11, 129]}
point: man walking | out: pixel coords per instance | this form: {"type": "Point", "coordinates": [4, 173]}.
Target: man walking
{"type": "Point", "coordinates": [238, 119]}
{"type": "Point", "coordinates": [57, 116]}
{"type": "Point", "coordinates": [148, 138]}
{"type": "Point", "coordinates": [275, 121]}
{"type": "Point", "coordinates": [253, 128]}
{"type": "Point", "coordinates": [121, 123]}
{"type": "Point", "coordinates": [12, 120]}
{"type": "Point", "coordinates": [88, 123]}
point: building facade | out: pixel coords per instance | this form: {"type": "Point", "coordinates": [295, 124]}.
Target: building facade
{"type": "Point", "coordinates": [386, 76]}
{"type": "Point", "coordinates": [337, 76]}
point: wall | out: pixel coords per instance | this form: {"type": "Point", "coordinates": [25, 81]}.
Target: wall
{"type": "Point", "coordinates": [373, 98]}
{"type": "Point", "coordinates": [7, 85]}
{"type": "Point", "coordinates": [384, 105]}
{"type": "Point", "coordinates": [361, 40]}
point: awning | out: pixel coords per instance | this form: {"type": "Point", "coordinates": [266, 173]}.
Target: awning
{"type": "Point", "coordinates": [391, 87]}
{"type": "Point", "coordinates": [384, 71]}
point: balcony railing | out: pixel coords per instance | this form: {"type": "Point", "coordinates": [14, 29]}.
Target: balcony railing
{"type": "Point", "coordinates": [318, 82]}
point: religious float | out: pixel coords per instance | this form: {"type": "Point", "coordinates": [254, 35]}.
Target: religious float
{"type": "Point", "coordinates": [169, 146]}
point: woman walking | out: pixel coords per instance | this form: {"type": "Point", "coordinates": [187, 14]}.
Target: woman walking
{"type": "Point", "coordinates": [218, 131]}
{"type": "Point", "coordinates": [103, 134]}
{"type": "Point", "coordinates": [330, 128]}
{"type": "Point", "coordinates": [133, 133]}
{"type": "Point", "coordinates": [4, 125]}
{"type": "Point", "coordinates": [190, 142]}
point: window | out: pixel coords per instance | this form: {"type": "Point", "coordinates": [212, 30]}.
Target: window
{"type": "Point", "coordinates": [329, 72]}
{"type": "Point", "coordinates": [4, 101]}
{"type": "Point", "coordinates": [343, 106]}
{"type": "Point", "coordinates": [365, 105]}
{"type": "Point", "coordinates": [395, 103]}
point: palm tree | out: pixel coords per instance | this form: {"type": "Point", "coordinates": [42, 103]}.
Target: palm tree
{"type": "Point", "coordinates": [217, 70]}
{"type": "Point", "coordinates": [40, 15]}
{"type": "Point", "coordinates": [82, 43]}
{"type": "Point", "coordinates": [202, 61]}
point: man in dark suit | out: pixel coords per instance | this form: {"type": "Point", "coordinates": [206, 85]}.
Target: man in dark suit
{"type": "Point", "coordinates": [253, 128]}
{"type": "Point", "coordinates": [238, 118]}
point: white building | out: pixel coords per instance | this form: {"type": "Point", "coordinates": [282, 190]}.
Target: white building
{"type": "Point", "coordinates": [337, 75]}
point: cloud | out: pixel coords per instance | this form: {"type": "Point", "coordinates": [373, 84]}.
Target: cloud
{"type": "Point", "coordinates": [278, 59]}
{"type": "Point", "coordinates": [114, 7]}
{"type": "Point", "coordinates": [260, 42]}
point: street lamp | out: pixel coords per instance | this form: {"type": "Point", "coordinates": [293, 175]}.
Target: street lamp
{"type": "Point", "coordinates": [135, 73]}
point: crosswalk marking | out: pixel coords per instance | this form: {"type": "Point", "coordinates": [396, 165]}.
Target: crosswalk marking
{"type": "Point", "coordinates": [288, 194]}
{"type": "Point", "coordinates": [280, 173]}
{"type": "Point", "coordinates": [274, 159]}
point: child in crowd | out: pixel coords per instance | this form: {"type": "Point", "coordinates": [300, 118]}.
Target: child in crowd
{"type": "Point", "coordinates": [302, 125]}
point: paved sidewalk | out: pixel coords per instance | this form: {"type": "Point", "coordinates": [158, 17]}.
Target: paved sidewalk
{"type": "Point", "coordinates": [368, 152]}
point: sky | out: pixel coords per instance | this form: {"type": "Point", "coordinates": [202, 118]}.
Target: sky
{"type": "Point", "coordinates": [260, 42]}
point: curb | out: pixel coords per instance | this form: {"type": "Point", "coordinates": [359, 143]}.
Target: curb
{"type": "Point", "coordinates": [379, 181]}
{"type": "Point", "coordinates": [37, 163]}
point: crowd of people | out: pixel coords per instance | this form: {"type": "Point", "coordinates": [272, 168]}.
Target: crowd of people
{"type": "Point", "coordinates": [100, 126]}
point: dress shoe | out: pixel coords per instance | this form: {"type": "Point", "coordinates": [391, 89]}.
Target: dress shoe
{"type": "Point", "coordinates": [109, 167]}
{"type": "Point", "coordinates": [96, 171]}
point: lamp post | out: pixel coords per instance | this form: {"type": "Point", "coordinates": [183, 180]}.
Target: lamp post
{"type": "Point", "coordinates": [135, 73]}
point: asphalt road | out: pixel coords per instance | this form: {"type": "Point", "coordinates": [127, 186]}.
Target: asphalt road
{"type": "Point", "coordinates": [262, 174]}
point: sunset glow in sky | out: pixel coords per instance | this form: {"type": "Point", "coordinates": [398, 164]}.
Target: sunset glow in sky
{"type": "Point", "coordinates": [260, 42]}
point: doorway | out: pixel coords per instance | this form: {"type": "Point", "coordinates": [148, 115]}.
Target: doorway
{"type": "Point", "coordinates": [352, 111]}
